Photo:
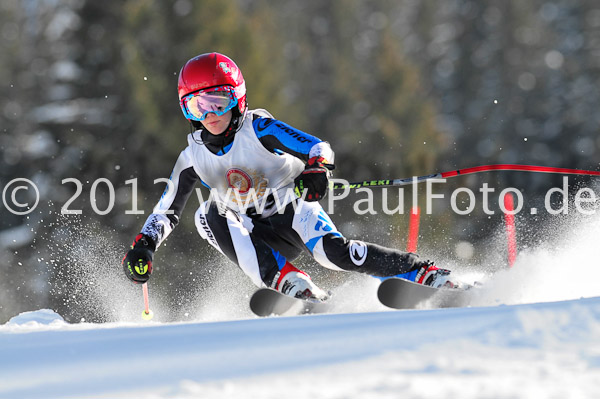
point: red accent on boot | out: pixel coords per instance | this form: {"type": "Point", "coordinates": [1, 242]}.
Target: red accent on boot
{"type": "Point", "coordinates": [425, 273]}
{"type": "Point", "coordinates": [288, 267]}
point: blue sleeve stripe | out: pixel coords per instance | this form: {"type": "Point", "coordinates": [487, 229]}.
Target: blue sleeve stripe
{"type": "Point", "coordinates": [204, 184]}
{"type": "Point", "coordinates": [276, 135]}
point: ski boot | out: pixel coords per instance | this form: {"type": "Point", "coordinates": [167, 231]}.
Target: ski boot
{"type": "Point", "coordinates": [296, 283]}
{"type": "Point", "coordinates": [429, 274]}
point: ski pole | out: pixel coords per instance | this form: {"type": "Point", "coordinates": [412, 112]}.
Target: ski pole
{"type": "Point", "coordinates": [466, 171]}
{"type": "Point", "coordinates": [147, 314]}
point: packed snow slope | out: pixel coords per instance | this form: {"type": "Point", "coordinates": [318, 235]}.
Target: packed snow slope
{"type": "Point", "coordinates": [543, 350]}
{"type": "Point", "coordinates": [531, 332]}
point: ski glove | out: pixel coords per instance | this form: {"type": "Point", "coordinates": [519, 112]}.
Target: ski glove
{"type": "Point", "coordinates": [314, 179]}
{"type": "Point", "coordinates": [137, 263]}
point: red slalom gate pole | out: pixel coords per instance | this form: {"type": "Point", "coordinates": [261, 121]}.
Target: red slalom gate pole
{"type": "Point", "coordinates": [413, 229]}
{"type": "Point", "coordinates": [511, 231]}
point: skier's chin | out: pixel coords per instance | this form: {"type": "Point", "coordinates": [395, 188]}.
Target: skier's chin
{"type": "Point", "coordinates": [215, 128]}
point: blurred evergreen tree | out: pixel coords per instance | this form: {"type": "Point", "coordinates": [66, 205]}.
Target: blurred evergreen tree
{"type": "Point", "coordinates": [346, 81]}
{"type": "Point", "coordinates": [398, 88]}
{"type": "Point", "coordinates": [511, 79]}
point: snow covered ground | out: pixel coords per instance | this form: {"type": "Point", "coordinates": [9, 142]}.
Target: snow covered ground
{"type": "Point", "coordinates": [543, 350]}
{"type": "Point", "coordinates": [533, 332]}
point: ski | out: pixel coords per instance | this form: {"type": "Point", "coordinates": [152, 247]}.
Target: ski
{"type": "Point", "coordinates": [267, 302]}
{"type": "Point", "coordinates": [399, 293]}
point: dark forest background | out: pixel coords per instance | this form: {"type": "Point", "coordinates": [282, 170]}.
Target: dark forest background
{"type": "Point", "coordinates": [399, 88]}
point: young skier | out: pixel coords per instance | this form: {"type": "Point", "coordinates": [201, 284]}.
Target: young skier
{"type": "Point", "coordinates": [252, 162]}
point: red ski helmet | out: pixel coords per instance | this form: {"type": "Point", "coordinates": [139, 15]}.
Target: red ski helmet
{"type": "Point", "coordinates": [211, 70]}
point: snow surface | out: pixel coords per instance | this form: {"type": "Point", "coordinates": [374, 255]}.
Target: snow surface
{"type": "Point", "coordinates": [532, 332]}
{"type": "Point", "coordinates": [543, 350]}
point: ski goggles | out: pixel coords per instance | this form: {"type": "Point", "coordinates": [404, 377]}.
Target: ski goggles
{"type": "Point", "coordinates": [216, 100]}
